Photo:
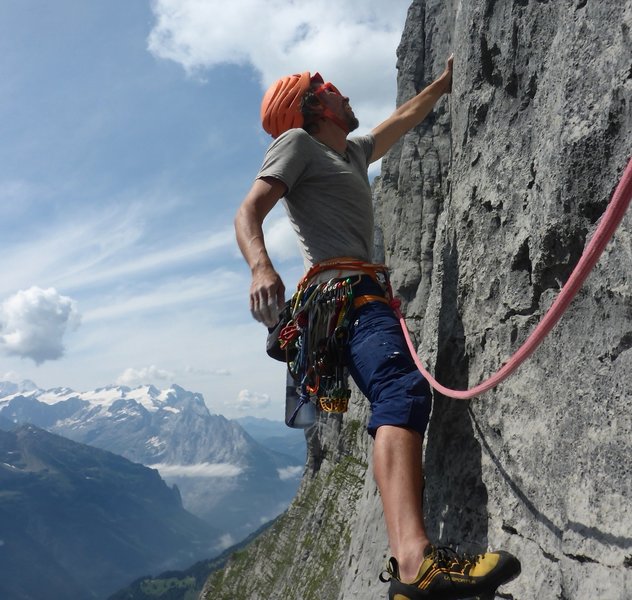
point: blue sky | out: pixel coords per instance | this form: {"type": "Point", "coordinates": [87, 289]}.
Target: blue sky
{"type": "Point", "coordinates": [129, 136]}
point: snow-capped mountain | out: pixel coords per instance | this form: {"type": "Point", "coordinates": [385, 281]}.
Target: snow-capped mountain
{"type": "Point", "coordinates": [223, 474]}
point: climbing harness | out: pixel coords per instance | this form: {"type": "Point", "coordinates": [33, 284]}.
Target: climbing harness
{"type": "Point", "coordinates": [316, 334]}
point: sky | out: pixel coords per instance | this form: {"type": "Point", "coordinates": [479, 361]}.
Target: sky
{"type": "Point", "coordinates": [129, 135]}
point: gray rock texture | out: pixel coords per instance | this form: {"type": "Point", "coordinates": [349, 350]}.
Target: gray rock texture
{"type": "Point", "coordinates": [483, 211]}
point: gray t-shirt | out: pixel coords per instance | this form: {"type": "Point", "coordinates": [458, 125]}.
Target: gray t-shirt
{"type": "Point", "coordinates": [328, 197]}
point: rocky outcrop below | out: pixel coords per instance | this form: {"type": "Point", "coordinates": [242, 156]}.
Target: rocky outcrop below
{"type": "Point", "coordinates": [483, 211]}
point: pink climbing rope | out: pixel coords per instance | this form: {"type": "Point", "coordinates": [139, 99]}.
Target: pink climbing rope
{"type": "Point", "coordinates": [608, 225]}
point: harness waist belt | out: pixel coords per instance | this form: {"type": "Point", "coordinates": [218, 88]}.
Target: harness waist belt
{"type": "Point", "coordinates": [367, 298]}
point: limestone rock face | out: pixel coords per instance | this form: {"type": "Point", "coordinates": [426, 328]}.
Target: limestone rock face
{"type": "Point", "coordinates": [499, 195]}
{"type": "Point", "coordinates": [483, 212]}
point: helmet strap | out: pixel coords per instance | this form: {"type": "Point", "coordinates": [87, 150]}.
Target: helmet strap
{"type": "Point", "coordinates": [329, 114]}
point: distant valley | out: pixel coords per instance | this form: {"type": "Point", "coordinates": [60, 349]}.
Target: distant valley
{"type": "Point", "coordinates": [77, 522]}
{"type": "Point", "coordinates": [233, 480]}
{"type": "Point", "coordinates": [68, 488]}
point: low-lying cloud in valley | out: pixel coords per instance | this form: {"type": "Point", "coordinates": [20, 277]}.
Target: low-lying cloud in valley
{"type": "Point", "coordinates": [290, 473]}
{"type": "Point", "coordinates": [199, 470]}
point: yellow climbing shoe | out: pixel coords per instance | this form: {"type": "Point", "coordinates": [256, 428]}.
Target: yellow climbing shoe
{"type": "Point", "coordinates": [446, 575]}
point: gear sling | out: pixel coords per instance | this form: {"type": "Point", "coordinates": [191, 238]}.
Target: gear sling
{"type": "Point", "coordinates": [312, 336]}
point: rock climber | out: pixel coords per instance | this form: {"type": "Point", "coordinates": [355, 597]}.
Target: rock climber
{"type": "Point", "coordinates": [322, 176]}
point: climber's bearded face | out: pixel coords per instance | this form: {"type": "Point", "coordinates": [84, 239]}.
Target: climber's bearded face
{"type": "Point", "coordinates": [331, 98]}
{"type": "Point", "coordinates": [352, 120]}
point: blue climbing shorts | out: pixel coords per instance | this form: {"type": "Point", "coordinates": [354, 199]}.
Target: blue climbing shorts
{"type": "Point", "coordinates": [381, 366]}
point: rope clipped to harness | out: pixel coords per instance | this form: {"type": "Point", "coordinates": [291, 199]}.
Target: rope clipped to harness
{"type": "Point", "coordinates": [315, 335]}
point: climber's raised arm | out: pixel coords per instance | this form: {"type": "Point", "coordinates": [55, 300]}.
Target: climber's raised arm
{"type": "Point", "coordinates": [411, 113]}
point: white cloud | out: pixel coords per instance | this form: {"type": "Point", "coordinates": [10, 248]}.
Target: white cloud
{"type": "Point", "coordinates": [290, 473]}
{"type": "Point", "coordinates": [64, 253]}
{"type": "Point", "coordinates": [33, 323]}
{"type": "Point", "coordinates": [220, 285]}
{"type": "Point", "coordinates": [198, 470]}
{"type": "Point", "coordinates": [133, 377]}
{"type": "Point", "coordinates": [12, 376]}
{"type": "Point", "coordinates": [247, 400]}
{"type": "Point", "coordinates": [351, 42]}
{"type": "Point", "coordinates": [201, 371]}
{"type": "Point", "coordinates": [281, 240]}
{"type": "Point", "coordinates": [159, 259]}
{"type": "Point", "coordinates": [105, 248]}
{"type": "Point", "coordinates": [226, 541]}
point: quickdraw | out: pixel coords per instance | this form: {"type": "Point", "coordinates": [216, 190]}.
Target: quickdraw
{"type": "Point", "coordinates": [316, 335]}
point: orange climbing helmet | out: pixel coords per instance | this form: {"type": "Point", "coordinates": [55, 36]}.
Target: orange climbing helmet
{"type": "Point", "coordinates": [281, 104]}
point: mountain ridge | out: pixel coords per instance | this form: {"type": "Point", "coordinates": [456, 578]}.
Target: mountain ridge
{"type": "Point", "coordinates": [223, 474]}
{"type": "Point", "coordinates": [81, 521]}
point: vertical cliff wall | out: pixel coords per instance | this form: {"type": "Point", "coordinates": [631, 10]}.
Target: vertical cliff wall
{"type": "Point", "coordinates": [483, 211]}
{"type": "Point", "coordinates": [504, 187]}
